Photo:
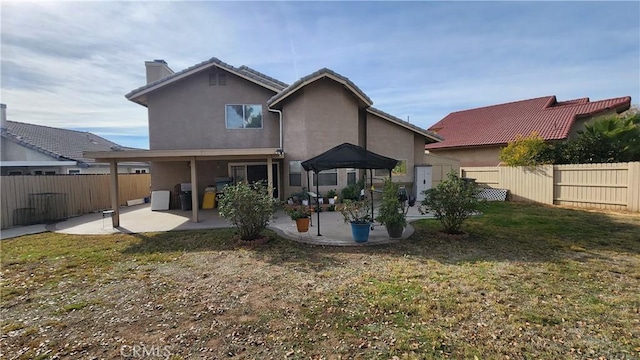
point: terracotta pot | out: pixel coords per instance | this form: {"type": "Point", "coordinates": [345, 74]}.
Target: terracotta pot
{"type": "Point", "coordinates": [302, 224]}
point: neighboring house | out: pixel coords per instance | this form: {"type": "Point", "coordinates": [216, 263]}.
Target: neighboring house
{"type": "Point", "coordinates": [215, 120]}
{"type": "Point", "coordinates": [476, 136]}
{"type": "Point", "coordinates": [29, 149]}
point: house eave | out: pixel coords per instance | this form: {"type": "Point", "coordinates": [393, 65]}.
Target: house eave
{"type": "Point", "coordinates": [180, 155]}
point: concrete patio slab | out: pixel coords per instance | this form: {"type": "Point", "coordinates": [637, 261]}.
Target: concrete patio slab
{"type": "Point", "coordinates": [140, 219]}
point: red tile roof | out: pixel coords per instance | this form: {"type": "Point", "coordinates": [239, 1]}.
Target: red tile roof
{"type": "Point", "coordinates": [499, 124]}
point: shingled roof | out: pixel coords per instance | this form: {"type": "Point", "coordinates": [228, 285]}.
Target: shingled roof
{"type": "Point", "coordinates": [61, 144]}
{"type": "Point", "coordinates": [499, 124]}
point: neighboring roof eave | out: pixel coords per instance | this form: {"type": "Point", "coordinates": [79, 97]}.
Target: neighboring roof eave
{"type": "Point", "coordinates": [135, 94]}
{"type": "Point", "coordinates": [322, 73]}
{"type": "Point", "coordinates": [498, 124]}
{"type": "Point", "coordinates": [12, 137]}
{"type": "Point", "coordinates": [178, 155]}
{"type": "Point", "coordinates": [426, 133]}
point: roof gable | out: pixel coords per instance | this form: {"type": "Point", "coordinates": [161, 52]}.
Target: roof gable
{"type": "Point", "coordinates": [59, 143]}
{"type": "Point", "coordinates": [320, 74]}
{"type": "Point", "coordinates": [499, 124]}
{"type": "Point", "coordinates": [139, 95]}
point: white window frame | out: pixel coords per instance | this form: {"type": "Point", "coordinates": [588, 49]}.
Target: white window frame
{"type": "Point", "coordinates": [226, 124]}
{"type": "Point", "coordinates": [140, 171]}
{"type": "Point", "coordinates": [75, 172]}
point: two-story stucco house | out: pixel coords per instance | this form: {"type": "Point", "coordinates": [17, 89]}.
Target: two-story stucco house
{"type": "Point", "coordinates": [214, 120]}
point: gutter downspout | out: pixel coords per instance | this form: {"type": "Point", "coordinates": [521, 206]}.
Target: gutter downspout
{"type": "Point", "coordinates": [281, 135]}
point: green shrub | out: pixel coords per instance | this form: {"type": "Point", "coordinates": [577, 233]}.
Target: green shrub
{"type": "Point", "coordinates": [391, 210]}
{"type": "Point", "coordinates": [351, 192]}
{"type": "Point", "coordinates": [248, 208]}
{"type": "Point", "coordinates": [452, 202]}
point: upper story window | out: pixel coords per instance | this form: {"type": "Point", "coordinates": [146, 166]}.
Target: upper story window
{"type": "Point", "coordinates": [244, 116]}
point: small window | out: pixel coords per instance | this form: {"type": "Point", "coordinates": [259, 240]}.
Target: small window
{"type": "Point", "coordinates": [140, 171]}
{"type": "Point", "coordinates": [351, 176]}
{"type": "Point", "coordinates": [15, 172]}
{"type": "Point", "coordinates": [326, 178]}
{"type": "Point", "coordinates": [37, 172]}
{"type": "Point", "coordinates": [222, 79]}
{"type": "Point", "coordinates": [73, 171]}
{"type": "Point", "coordinates": [295, 173]}
{"type": "Point", "coordinates": [244, 116]}
{"type": "Point", "coordinates": [50, 172]}
{"type": "Point", "coordinates": [399, 170]}
{"type": "Point", "coordinates": [213, 80]}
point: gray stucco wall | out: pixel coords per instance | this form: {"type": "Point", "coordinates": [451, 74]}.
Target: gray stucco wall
{"type": "Point", "coordinates": [15, 152]}
{"type": "Point", "coordinates": [388, 139]}
{"type": "Point", "coordinates": [320, 116]}
{"type": "Point", "coordinates": [190, 114]}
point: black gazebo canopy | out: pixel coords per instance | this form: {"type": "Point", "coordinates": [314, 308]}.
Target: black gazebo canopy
{"type": "Point", "coordinates": [348, 156]}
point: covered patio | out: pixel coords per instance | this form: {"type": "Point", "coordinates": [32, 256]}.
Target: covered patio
{"type": "Point", "coordinates": [190, 156]}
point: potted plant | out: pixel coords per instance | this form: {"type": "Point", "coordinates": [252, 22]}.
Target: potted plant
{"type": "Point", "coordinates": [392, 213]}
{"type": "Point", "coordinates": [331, 196]}
{"type": "Point", "coordinates": [358, 213]}
{"type": "Point", "coordinates": [301, 216]}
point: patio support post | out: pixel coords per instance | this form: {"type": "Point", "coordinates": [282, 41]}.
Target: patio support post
{"type": "Point", "coordinates": [113, 192]}
{"type": "Point", "coordinates": [270, 175]}
{"type": "Point", "coordinates": [194, 190]}
{"type": "Point", "coordinates": [371, 193]}
{"type": "Point", "coordinates": [318, 201]}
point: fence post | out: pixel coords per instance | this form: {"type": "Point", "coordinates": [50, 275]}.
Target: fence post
{"type": "Point", "coordinates": [633, 186]}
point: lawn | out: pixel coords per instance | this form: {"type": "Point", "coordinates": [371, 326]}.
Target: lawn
{"type": "Point", "coordinates": [530, 282]}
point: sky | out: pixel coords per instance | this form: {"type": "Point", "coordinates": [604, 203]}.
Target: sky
{"type": "Point", "coordinates": [69, 64]}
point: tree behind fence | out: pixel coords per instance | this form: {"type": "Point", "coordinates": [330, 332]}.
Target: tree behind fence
{"type": "Point", "coordinates": [44, 198]}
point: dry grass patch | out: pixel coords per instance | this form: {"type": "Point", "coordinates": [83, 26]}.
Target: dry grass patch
{"type": "Point", "coordinates": [530, 282]}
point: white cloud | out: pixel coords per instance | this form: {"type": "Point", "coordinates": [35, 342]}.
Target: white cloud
{"type": "Point", "coordinates": [69, 64]}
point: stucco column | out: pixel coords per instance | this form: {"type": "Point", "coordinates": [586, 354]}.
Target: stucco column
{"type": "Point", "coordinates": [113, 192]}
{"type": "Point", "coordinates": [194, 190]}
{"type": "Point", "coordinates": [270, 175]}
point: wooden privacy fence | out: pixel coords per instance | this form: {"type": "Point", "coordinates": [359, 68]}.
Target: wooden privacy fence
{"type": "Point", "coordinates": [603, 186]}
{"type": "Point", "coordinates": [32, 199]}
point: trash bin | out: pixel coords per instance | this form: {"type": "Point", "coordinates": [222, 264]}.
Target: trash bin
{"type": "Point", "coordinates": [185, 200]}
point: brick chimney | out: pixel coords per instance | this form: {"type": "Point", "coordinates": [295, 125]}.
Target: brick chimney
{"type": "Point", "coordinates": [3, 114]}
{"type": "Point", "coordinates": [156, 70]}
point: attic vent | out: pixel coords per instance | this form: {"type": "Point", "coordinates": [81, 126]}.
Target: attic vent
{"type": "Point", "coordinates": [217, 79]}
